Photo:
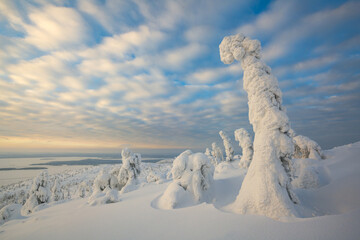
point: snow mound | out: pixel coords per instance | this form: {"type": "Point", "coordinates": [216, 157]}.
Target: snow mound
{"type": "Point", "coordinates": [9, 212]}
{"type": "Point", "coordinates": [105, 197]}
{"type": "Point", "coordinates": [309, 174]}
{"type": "Point", "coordinates": [192, 181]}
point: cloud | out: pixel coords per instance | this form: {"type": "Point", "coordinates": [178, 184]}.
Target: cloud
{"type": "Point", "coordinates": [55, 27]}
{"type": "Point", "coordinates": [212, 75]}
{"type": "Point", "coordinates": [313, 25]}
{"type": "Point", "coordinates": [178, 57]}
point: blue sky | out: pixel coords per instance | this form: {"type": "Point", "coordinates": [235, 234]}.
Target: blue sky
{"type": "Point", "coordinates": [100, 75]}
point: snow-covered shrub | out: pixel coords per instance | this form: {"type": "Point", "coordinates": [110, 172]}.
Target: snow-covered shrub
{"type": "Point", "coordinates": [129, 170]}
{"type": "Point", "coordinates": [39, 193]}
{"type": "Point", "coordinates": [153, 177]}
{"type": "Point", "coordinates": [217, 153]}
{"type": "Point", "coordinates": [57, 192]}
{"type": "Point", "coordinates": [229, 150]}
{"type": "Point", "coordinates": [307, 148]}
{"type": "Point", "coordinates": [104, 197]}
{"type": "Point", "coordinates": [192, 181]}
{"type": "Point", "coordinates": [266, 189]}
{"type": "Point", "coordinates": [243, 137]}
{"type": "Point", "coordinates": [83, 190]}
{"type": "Point", "coordinates": [10, 212]}
{"type": "Point", "coordinates": [103, 180]}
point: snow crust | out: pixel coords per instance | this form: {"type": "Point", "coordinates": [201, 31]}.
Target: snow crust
{"type": "Point", "coordinates": [229, 150]}
{"type": "Point", "coordinates": [266, 189]}
{"type": "Point", "coordinates": [243, 137]}
{"type": "Point", "coordinates": [192, 181]}
{"type": "Point", "coordinates": [307, 148]}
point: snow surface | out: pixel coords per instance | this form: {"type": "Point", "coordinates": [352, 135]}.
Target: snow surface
{"type": "Point", "coordinates": [335, 202]}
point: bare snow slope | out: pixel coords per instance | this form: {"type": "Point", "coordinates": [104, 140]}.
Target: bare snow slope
{"type": "Point", "coordinates": [134, 217]}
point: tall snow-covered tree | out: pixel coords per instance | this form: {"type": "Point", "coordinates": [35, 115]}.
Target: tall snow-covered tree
{"type": "Point", "coordinates": [266, 189]}
{"type": "Point", "coordinates": [229, 150]}
{"type": "Point", "coordinates": [243, 137]}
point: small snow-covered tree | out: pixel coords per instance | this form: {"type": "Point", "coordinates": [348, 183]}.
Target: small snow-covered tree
{"type": "Point", "coordinates": [266, 189]}
{"type": "Point", "coordinates": [217, 153]}
{"type": "Point", "coordinates": [229, 150]}
{"type": "Point", "coordinates": [192, 181]}
{"type": "Point", "coordinates": [307, 148]}
{"type": "Point", "coordinates": [57, 192]}
{"type": "Point", "coordinates": [210, 156]}
{"type": "Point", "coordinates": [130, 169]}
{"type": "Point", "coordinates": [39, 193]}
{"type": "Point", "coordinates": [243, 137]}
{"type": "Point", "coordinates": [208, 152]}
{"type": "Point", "coordinates": [9, 212]}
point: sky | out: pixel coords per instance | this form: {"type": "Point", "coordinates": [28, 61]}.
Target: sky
{"type": "Point", "coordinates": [96, 76]}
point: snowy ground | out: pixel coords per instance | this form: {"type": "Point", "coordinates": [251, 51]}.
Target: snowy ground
{"type": "Point", "coordinates": [335, 202]}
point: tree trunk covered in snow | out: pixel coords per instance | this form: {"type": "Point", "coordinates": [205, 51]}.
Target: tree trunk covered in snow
{"type": "Point", "coordinates": [266, 189]}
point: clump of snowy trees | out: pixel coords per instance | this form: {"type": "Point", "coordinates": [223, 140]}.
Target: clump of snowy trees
{"type": "Point", "coordinates": [266, 189]}
{"type": "Point", "coordinates": [243, 137]}
{"type": "Point", "coordinates": [192, 181]}
{"type": "Point", "coordinates": [106, 185]}
{"type": "Point", "coordinates": [39, 193]}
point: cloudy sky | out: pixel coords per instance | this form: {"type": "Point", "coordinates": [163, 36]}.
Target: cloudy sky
{"type": "Point", "coordinates": [99, 75]}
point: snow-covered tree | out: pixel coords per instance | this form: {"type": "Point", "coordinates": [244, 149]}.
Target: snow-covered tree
{"type": "Point", "coordinates": [208, 153]}
{"type": "Point", "coordinates": [266, 189]}
{"type": "Point", "coordinates": [130, 169]}
{"type": "Point", "coordinates": [84, 189]}
{"type": "Point", "coordinates": [217, 153]}
{"type": "Point", "coordinates": [192, 181]}
{"type": "Point", "coordinates": [39, 193]}
{"type": "Point", "coordinates": [229, 150]}
{"type": "Point", "coordinates": [307, 148]}
{"type": "Point", "coordinates": [243, 137]}
{"type": "Point", "coordinates": [9, 212]}
{"type": "Point", "coordinates": [57, 192]}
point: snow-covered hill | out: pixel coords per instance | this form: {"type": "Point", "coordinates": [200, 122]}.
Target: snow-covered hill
{"type": "Point", "coordinates": [334, 202]}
